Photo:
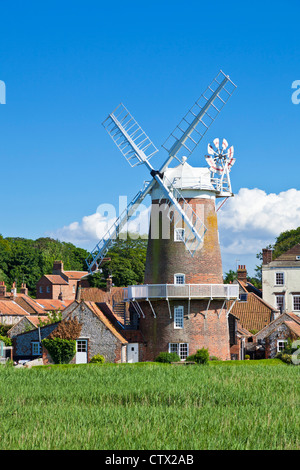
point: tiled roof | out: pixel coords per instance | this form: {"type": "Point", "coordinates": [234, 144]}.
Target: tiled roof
{"type": "Point", "coordinates": [94, 294]}
{"type": "Point", "coordinates": [288, 258]}
{"type": "Point", "coordinates": [254, 314]}
{"type": "Point", "coordinates": [30, 305]}
{"type": "Point", "coordinates": [10, 307]}
{"type": "Point", "coordinates": [75, 274]}
{"type": "Point", "coordinates": [56, 279]}
{"type": "Point", "coordinates": [294, 327]}
{"type": "Point", "coordinates": [53, 304]}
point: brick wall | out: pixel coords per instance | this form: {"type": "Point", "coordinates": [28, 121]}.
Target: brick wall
{"type": "Point", "coordinates": [201, 329]}
{"type": "Point", "coordinates": [166, 257]}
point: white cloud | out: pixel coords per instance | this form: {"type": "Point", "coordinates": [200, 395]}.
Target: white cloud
{"type": "Point", "coordinates": [94, 227]}
{"type": "Point", "coordinates": [248, 222]}
{"type": "Point", "coordinates": [252, 219]}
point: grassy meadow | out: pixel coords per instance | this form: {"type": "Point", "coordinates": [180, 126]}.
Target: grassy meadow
{"type": "Point", "coordinates": [230, 405]}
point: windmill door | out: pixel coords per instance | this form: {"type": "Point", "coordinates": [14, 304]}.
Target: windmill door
{"type": "Point", "coordinates": [81, 351]}
{"type": "Point", "coordinates": [133, 352]}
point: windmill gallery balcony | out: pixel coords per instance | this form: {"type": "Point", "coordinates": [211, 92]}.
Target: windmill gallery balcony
{"type": "Point", "coordinates": [177, 291]}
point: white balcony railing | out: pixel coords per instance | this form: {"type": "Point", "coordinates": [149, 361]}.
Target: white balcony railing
{"type": "Point", "coordinates": [189, 291]}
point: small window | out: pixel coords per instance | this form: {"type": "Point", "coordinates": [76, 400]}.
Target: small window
{"type": "Point", "coordinates": [41, 289]}
{"type": "Point", "coordinates": [179, 234]}
{"type": "Point", "coordinates": [74, 289]}
{"type": "Point", "coordinates": [280, 302]}
{"type": "Point", "coordinates": [296, 303]}
{"type": "Point", "coordinates": [36, 348]}
{"type": "Point", "coordinates": [182, 349]}
{"type": "Point", "coordinates": [48, 289]}
{"type": "Point", "coordinates": [178, 317]}
{"type": "Point", "coordinates": [179, 279]}
{"type": "Point", "coordinates": [281, 345]}
{"type": "Point", "coordinates": [279, 279]}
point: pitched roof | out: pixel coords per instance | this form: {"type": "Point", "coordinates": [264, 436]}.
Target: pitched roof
{"type": "Point", "coordinates": [29, 304]}
{"type": "Point", "coordinates": [10, 307]}
{"type": "Point", "coordinates": [287, 258]}
{"type": "Point", "coordinates": [94, 294]}
{"type": "Point", "coordinates": [294, 327]}
{"type": "Point", "coordinates": [56, 279]}
{"type": "Point", "coordinates": [53, 304]}
{"type": "Point", "coordinates": [253, 314]}
{"type": "Point", "coordinates": [75, 274]}
{"type": "Point", "coordinates": [96, 310]}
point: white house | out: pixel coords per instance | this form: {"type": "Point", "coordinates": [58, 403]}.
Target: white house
{"type": "Point", "coordinates": [281, 280]}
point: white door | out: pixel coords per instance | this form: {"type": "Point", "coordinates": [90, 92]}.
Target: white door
{"type": "Point", "coordinates": [81, 351]}
{"type": "Point", "coordinates": [133, 352]}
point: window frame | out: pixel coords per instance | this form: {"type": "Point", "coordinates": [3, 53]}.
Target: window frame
{"type": "Point", "coordinates": [280, 346]}
{"type": "Point", "coordinates": [294, 297]}
{"type": "Point", "coordinates": [280, 296]}
{"type": "Point", "coordinates": [178, 238]}
{"type": "Point", "coordinates": [179, 283]}
{"type": "Point", "coordinates": [35, 344]}
{"type": "Point", "coordinates": [279, 273]}
{"type": "Point", "coordinates": [179, 348]}
{"type": "Point", "coordinates": [178, 317]}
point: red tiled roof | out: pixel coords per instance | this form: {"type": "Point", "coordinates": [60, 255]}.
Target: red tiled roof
{"type": "Point", "coordinates": [94, 294]}
{"type": "Point", "coordinates": [75, 274]}
{"type": "Point", "coordinates": [10, 307]}
{"type": "Point", "coordinates": [294, 327]}
{"type": "Point", "coordinates": [254, 314]}
{"type": "Point", "coordinates": [53, 304]}
{"type": "Point", "coordinates": [56, 279]}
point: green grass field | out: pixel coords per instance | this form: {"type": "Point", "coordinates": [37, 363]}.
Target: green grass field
{"type": "Point", "coordinates": [229, 405]}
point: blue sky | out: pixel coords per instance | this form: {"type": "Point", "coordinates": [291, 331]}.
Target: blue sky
{"type": "Point", "coordinates": [67, 64]}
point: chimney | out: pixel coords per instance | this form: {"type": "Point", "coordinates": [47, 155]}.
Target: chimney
{"type": "Point", "coordinates": [242, 273]}
{"type": "Point", "coordinates": [13, 290]}
{"type": "Point", "coordinates": [58, 267]}
{"type": "Point", "coordinates": [2, 289]}
{"type": "Point", "coordinates": [267, 255]}
{"type": "Point", "coordinates": [24, 289]}
{"type": "Point", "coordinates": [109, 284]}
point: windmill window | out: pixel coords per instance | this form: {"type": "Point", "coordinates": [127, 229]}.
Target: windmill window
{"type": "Point", "coordinates": [178, 317]}
{"type": "Point", "coordinates": [279, 279]}
{"type": "Point", "coordinates": [182, 349]}
{"type": "Point", "coordinates": [179, 234]}
{"type": "Point", "coordinates": [179, 279]}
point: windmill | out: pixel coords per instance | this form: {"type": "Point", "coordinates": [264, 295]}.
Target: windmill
{"type": "Point", "coordinates": [138, 149]}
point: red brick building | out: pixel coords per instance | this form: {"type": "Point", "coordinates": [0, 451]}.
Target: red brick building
{"type": "Point", "coordinates": [60, 284]}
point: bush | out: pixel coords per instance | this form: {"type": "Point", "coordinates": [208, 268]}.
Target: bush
{"type": "Point", "coordinates": [97, 359]}
{"type": "Point", "coordinates": [61, 350]}
{"type": "Point", "coordinates": [201, 356]}
{"type": "Point", "coordinates": [167, 357]}
{"type": "Point", "coordinates": [6, 340]}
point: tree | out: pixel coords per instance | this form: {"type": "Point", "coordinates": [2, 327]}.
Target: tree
{"type": "Point", "coordinates": [127, 264]}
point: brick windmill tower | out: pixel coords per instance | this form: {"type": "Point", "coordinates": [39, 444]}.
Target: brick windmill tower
{"type": "Point", "coordinates": [182, 303]}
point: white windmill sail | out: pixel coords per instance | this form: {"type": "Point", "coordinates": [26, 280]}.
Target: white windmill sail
{"type": "Point", "coordinates": [191, 129]}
